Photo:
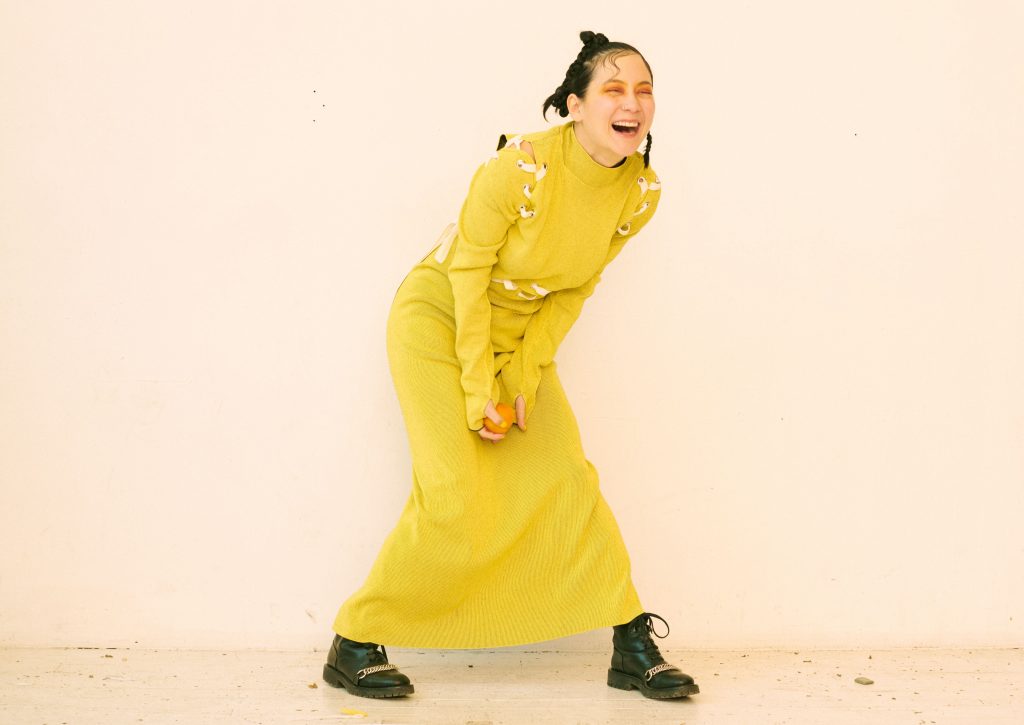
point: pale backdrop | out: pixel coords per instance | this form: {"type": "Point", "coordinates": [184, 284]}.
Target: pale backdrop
{"type": "Point", "coordinates": [801, 384]}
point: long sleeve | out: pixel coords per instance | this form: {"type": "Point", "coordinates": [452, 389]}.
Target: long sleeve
{"type": "Point", "coordinates": [493, 204]}
{"type": "Point", "coordinates": [559, 311]}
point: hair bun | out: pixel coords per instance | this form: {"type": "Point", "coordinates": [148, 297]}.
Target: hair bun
{"type": "Point", "coordinates": [591, 39]}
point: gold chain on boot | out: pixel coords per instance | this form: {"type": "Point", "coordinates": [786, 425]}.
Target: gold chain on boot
{"type": "Point", "coordinates": [376, 668]}
{"type": "Point", "coordinates": [656, 669]}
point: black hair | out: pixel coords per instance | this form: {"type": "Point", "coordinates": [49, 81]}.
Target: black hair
{"type": "Point", "coordinates": [596, 48]}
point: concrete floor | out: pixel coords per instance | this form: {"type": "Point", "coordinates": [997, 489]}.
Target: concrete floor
{"type": "Point", "coordinates": [495, 687]}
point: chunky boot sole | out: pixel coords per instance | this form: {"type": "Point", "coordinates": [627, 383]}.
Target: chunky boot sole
{"type": "Point", "coordinates": [626, 681]}
{"type": "Point", "coordinates": [337, 678]}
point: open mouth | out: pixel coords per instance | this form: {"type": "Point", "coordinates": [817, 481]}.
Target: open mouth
{"type": "Point", "coordinates": [629, 129]}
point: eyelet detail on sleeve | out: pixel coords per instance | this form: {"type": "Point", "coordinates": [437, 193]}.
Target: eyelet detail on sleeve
{"type": "Point", "coordinates": [512, 287]}
{"type": "Point", "coordinates": [444, 242]}
{"type": "Point", "coordinates": [538, 175]}
{"type": "Point", "coordinates": [645, 186]}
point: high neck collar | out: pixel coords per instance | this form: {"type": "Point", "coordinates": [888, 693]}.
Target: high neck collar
{"type": "Point", "coordinates": [583, 165]}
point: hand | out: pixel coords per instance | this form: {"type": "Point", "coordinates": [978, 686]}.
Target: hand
{"type": "Point", "coordinates": [521, 413]}
{"type": "Point", "coordinates": [491, 412]}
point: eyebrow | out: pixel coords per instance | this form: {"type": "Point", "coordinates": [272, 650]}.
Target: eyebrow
{"type": "Point", "coordinates": [619, 80]}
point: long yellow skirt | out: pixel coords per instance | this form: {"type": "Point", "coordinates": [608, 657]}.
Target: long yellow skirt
{"type": "Point", "coordinates": [499, 544]}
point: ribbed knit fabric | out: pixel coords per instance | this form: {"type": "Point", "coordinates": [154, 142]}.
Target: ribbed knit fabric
{"type": "Point", "coordinates": [508, 543]}
{"type": "Point", "coordinates": [533, 238]}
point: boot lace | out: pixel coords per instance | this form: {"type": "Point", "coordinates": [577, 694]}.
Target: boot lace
{"type": "Point", "coordinates": [643, 627]}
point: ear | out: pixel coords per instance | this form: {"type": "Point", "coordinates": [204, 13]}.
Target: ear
{"type": "Point", "coordinates": [572, 103]}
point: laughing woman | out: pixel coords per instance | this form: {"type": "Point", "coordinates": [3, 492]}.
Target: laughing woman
{"type": "Point", "coordinates": [506, 538]}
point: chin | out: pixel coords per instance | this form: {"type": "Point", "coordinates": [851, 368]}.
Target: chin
{"type": "Point", "coordinates": [630, 147]}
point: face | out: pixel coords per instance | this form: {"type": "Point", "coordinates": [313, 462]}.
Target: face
{"type": "Point", "coordinates": [623, 94]}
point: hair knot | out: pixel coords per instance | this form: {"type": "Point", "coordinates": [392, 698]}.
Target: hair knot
{"type": "Point", "coordinates": [592, 39]}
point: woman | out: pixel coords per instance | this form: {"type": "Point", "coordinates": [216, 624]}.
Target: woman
{"type": "Point", "coordinates": [506, 538]}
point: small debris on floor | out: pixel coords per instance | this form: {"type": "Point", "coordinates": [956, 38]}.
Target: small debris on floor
{"type": "Point", "coordinates": [352, 712]}
{"type": "Point", "coordinates": [312, 685]}
{"type": "Point", "coordinates": [864, 681]}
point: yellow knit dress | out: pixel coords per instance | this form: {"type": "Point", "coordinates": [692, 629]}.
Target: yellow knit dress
{"type": "Point", "coordinates": [503, 543]}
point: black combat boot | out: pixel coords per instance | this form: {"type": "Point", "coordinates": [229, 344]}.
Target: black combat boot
{"type": "Point", "coordinates": [636, 662]}
{"type": "Point", "coordinates": [363, 670]}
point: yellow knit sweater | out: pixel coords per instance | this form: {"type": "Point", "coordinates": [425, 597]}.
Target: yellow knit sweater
{"type": "Point", "coordinates": [533, 236]}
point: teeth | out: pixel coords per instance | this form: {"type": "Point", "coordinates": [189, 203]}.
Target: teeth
{"type": "Point", "coordinates": [631, 124]}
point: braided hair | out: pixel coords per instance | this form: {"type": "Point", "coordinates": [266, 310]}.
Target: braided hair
{"type": "Point", "coordinates": [596, 48]}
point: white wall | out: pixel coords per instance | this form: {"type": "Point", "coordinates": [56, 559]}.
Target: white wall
{"type": "Point", "coordinates": [801, 385]}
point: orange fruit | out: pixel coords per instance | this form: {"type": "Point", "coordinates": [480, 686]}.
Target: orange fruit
{"type": "Point", "coordinates": [508, 414]}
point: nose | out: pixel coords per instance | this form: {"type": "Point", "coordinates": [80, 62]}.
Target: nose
{"type": "Point", "coordinates": [630, 101]}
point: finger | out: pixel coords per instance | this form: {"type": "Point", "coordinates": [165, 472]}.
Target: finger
{"type": "Point", "coordinates": [489, 435]}
{"type": "Point", "coordinates": [492, 412]}
{"type": "Point", "coordinates": [521, 413]}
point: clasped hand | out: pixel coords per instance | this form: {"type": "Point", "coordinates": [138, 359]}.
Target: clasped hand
{"type": "Point", "coordinates": [492, 412]}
